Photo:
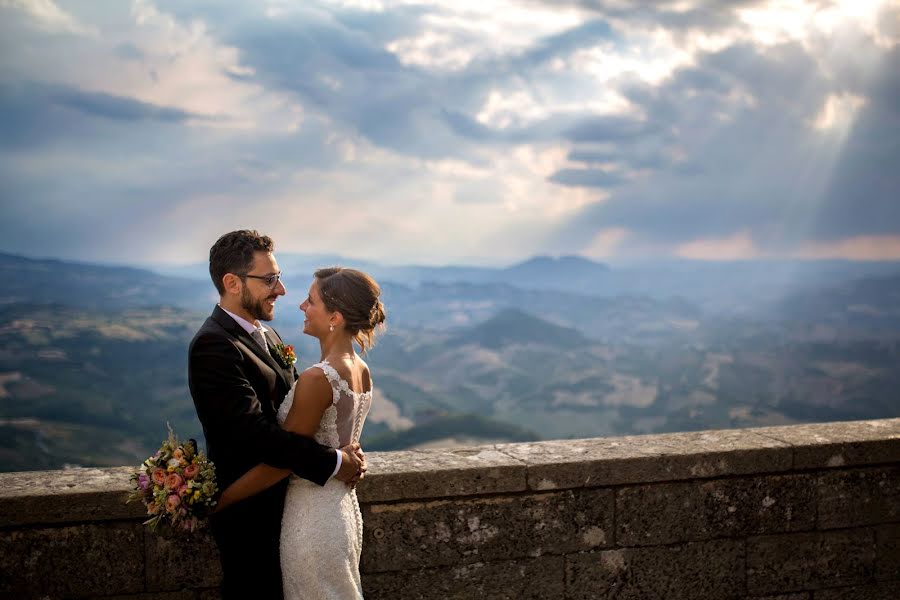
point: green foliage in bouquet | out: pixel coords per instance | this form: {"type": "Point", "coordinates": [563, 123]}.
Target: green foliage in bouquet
{"type": "Point", "coordinates": [177, 485]}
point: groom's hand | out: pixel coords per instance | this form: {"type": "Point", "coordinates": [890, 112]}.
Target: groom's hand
{"type": "Point", "coordinates": [353, 464]}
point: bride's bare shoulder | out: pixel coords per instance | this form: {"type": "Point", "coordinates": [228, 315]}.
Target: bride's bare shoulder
{"type": "Point", "coordinates": [365, 376]}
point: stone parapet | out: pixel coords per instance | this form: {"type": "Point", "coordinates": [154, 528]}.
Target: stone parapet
{"type": "Point", "coordinates": [806, 511]}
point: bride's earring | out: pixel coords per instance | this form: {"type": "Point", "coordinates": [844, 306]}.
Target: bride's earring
{"type": "Point", "coordinates": [331, 327]}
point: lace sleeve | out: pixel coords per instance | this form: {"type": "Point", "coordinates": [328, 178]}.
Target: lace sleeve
{"type": "Point", "coordinates": [333, 378]}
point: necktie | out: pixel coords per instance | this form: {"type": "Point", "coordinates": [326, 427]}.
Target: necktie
{"type": "Point", "coordinates": [260, 339]}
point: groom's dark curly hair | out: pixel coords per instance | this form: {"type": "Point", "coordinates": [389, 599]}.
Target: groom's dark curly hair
{"type": "Point", "coordinates": [233, 253]}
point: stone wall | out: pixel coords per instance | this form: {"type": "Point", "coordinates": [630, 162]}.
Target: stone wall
{"type": "Point", "coordinates": [808, 512]}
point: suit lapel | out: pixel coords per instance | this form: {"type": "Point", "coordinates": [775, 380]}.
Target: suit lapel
{"type": "Point", "coordinates": [240, 333]}
{"type": "Point", "coordinates": [273, 340]}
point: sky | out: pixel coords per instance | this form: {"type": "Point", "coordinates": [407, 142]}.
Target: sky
{"type": "Point", "coordinates": [453, 131]}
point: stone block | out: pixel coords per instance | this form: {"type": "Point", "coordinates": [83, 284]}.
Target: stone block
{"type": "Point", "coordinates": [410, 475]}
{"type": "Point", "coordinates": [859, 497]}
{"type": "Point", "coordinates": [873, 591]}
{"type": "Point", "coordinates": [841, 444]}
{"type": "Point", "coordinates": [648, 458]}
{"type": "Point", "coordinates": [180, 595]}
{"type": "Point", "coordinates": [887, 552]}
{"type": "Point", "coordinates": [454, 532]}
{"type": "Point", "coordinates": [75, 561]}
{"type": "Point", "coordinates": [526, 579]}
{"type": "Point", "coordinates": [808, 561]}
{"type": "Point", "coordinates": [797, 596]}
{"type": "Point", "coordinates": [70, 496]}
{"type": "Point", "coordinates": [174, 562]}
{"type": "Point", "coordinates": [693, 571]}
{"type": "Point", "coordinates": [666, 513]}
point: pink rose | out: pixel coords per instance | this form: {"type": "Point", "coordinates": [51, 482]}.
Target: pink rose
{"type": "Point", "coordinates": [172, 503]}
{"type": "Point", "coordinates": [173, 481]}
{"type": "Point", "coordinates": [158, 476]}
{"type": "Point", "coordinates": [183, 491]}
{"type": "Point", "coordinates": [191, 471]}
{"type": "Point", "coordinates": [152, 508]}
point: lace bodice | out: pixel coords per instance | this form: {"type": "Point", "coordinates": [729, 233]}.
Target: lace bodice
{"type": "Point", "coordinates": [322, 527]}
{"type": "Point", "coordinates": [342, 422]}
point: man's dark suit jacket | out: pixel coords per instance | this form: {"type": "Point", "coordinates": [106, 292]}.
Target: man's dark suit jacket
{"type": "Point", "coordinates": [237, 388]}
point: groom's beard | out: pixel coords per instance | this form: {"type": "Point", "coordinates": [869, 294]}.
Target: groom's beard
{"type": "Point", "coordinates": [256, 307]}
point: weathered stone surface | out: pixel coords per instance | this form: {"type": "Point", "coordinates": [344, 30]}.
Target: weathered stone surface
{"type": "Point", "coordinates": [693, 571]}
{"type": "Point", "coordinates": [170, 567]}
{"type": "Point", "coordinates": [527, 579]}
{"type": "Point", "coordinates": [453, 532]}
{"type": "Point", "coordinates": [83, 560]}
{"type": "Point", "coordinates": [416, 474]}
{"type": "Point", "coordinates": [808, 561]}
{"type": "Point", "coordinates": [648, 458]}
{"type": "Point", "coordinates": [841, 444]}
{"type": "Point", "coordinates": [181, 595]}
{"type": "Point", "coordinates": [38, 497]}
{"type": "Point", "coordinates": [875, 591]}
{"type": "Point", "coordinates": [887, 552]}
{"type": "Point", "coordinates": [664, 513]}
{"type": "Point", "coordinates": [211, 594]}
{"type": "Point", "coordinates": [503, 516]}
{"type": "Point", "coordinates": [859, 497]}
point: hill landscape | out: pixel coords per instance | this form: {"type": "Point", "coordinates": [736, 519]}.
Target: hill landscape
{"type": "Point", "coordinates": [93, 357]}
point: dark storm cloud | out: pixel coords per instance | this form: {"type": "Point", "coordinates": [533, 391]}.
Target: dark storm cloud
{"type": "Point", "coordinates": [863, 194]}
{"type": "Point", "coordinates": [638, 159]}
{"type": "Point", "coordinates": [565, 43]}
{"type": "Point", "coordinates": [35, 113]}
{"type": "Point", "coordinates": [676, 15]}
{"type": "Point", "coordinates": [351, 78]}
{"type": "Point", "coordinates": [338, 64]}
{"type": "Point", "coordinates": [762, 167]}
{"type": "Point", "coordinates": [610, 129]}
{"type": "Point", "coordinates": [721, 145]}
{"type": "Point", "coordinates": [114, 107]}
{"type": "Point", "coordinates": [586, 178]}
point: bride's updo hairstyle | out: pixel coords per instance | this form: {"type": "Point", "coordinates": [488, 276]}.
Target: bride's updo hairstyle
{"type": "Point", "coordinates": [355, 295]}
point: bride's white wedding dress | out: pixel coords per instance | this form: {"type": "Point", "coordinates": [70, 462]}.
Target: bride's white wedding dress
{"type": "Point", "coordinates": [321, 528]}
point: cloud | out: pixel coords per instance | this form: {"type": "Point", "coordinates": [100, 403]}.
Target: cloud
{"type": "Point", "coordinates": [48, 16]}
{"type": "Point", "coordinates": [587, 178]}
{"type": "Point", "coordinates": [745, 150]}
{"type": "Point", "coordinates": [868, 247]}
{"type": "Point", "coordinates": [498, 127]}
{"type": "Point", "coordinates": [739, 246]}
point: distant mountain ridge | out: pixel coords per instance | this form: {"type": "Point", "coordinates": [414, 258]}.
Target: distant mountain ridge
{"type": "Point", "coordinates": [51, 281]}
{"type": "Point", "coordinates": [724, 287]}
{"type": "Point", "coordinates": [539, 272]}
{"type": "Point", "coordinates": [92, 357]}
{"type": "Point", "coordinates": [513, 326]}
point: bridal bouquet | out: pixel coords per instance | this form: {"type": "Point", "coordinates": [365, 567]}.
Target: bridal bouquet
{"type": "Point", "coordinates": [177, 485]}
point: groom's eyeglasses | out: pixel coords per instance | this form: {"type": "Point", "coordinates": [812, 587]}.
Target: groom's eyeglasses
{"type": "Point", "coordinates": [270, 280]}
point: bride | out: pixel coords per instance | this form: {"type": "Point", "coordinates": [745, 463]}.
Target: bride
{"type": "Point", "coordinates": [321, 528]}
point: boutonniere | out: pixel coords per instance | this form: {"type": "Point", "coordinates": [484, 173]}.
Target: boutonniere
{"type": "Point", "coordinates": [286, 354]}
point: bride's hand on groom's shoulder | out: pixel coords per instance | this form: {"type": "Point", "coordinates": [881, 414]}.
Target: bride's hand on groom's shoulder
{"type": "Point", "coordinates": [353, 464]}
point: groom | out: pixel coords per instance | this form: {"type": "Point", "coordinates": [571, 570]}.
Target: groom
{"type": "Point", "coordinates": [238, 380]}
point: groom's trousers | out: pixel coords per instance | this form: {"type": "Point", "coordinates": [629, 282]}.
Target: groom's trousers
{"type": "Point", "coordinates": [248, 537]}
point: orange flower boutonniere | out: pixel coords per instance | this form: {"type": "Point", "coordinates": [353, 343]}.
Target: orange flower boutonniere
{"type": "Point", "coordinates": [286, 354]}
